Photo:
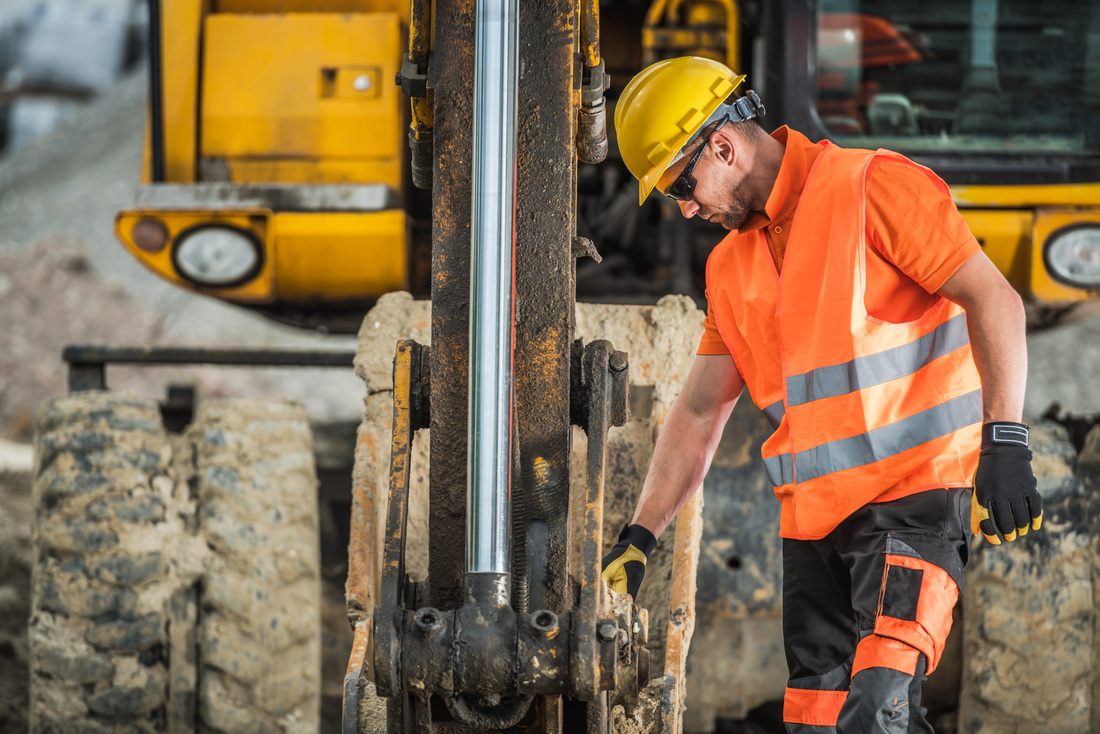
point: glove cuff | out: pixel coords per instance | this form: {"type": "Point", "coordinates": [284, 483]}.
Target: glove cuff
{"type": "Point", "coordinates": [638, 537]}
{"type": "Point", "coordinates": [1004, 433]}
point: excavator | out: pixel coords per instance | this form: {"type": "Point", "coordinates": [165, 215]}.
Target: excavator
{"type": "Point", "coordinates": [274, 125]}
{"type": "Point", "coordinates": [286, 172]}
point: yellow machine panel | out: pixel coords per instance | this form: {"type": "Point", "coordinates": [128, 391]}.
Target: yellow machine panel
{"type": "Point", "coordinates": [310, 6]}
{"type": "Point", "coordinates": [303, 256]}
{"type": "Point", "coordinates": [303, 86]}
{"type": "Point", "coordinates": [1027, 196]}
{"type": "Point", "coordinates": [258, 289]}
{"type": "Point", "coordinates": [1015, 224]}
{"type": "Point", "coordinates": [180, 30]}
{"type": "Point", "coordinates": [311, 171]}
{"type": "Point", "coordinates": [338, 256]}
{"type": "Point", "coordinates": [1005, 236]}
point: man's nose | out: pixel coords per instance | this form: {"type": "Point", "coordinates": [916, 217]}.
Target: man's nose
{"type": "Point", "coordinates": [688, 208]}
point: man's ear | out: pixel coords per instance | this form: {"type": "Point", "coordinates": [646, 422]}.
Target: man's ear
{"type": "Point", "coordinates": [724, 146]}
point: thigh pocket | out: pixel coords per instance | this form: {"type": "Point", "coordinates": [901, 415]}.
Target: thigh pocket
{"type": "Point", "coordinates": [918, 595]}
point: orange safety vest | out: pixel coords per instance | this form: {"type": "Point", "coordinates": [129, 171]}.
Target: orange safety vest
{"type": "Point", "coordinates": [863, 410]}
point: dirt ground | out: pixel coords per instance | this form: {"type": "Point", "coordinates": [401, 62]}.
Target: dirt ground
{"type": "Point", "coordinates": [15, 583]}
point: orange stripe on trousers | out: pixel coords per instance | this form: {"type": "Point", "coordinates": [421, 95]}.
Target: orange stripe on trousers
{"type": "Point", "coordinates": [874, 651]}
{"type": "Point", "coordinates": [818, 708]}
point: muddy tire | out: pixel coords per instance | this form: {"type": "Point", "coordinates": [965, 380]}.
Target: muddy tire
{"type": "Point", "coordinates": [259, 633]}
{"type": "Point", "coordinates": [98, 629]}
{"type": "Point", "coordinates": [176, 579]}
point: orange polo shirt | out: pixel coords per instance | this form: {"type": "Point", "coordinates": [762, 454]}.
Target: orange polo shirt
{"type": "Point", "coordinates": [906, 264]}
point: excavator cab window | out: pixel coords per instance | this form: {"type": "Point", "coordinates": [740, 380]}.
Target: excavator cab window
{"type": "Point", "coordinates": [977, 76]}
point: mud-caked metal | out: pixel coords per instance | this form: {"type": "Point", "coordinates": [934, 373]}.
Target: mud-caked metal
{"type": "Point", "coordinates": [486, 660]}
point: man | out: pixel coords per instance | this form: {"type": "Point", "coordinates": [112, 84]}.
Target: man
{"type": "Point", "coordinates": [888, 353]}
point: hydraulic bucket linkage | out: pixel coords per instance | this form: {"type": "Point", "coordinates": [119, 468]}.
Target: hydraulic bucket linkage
{"type": "Point", "coordinates": [491, 657]}
{"type": "Point", "coordinates": [523, 636]}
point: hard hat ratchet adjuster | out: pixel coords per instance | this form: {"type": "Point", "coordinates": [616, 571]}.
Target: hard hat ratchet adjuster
{"type": "Point", "coordinates": [742, 109]}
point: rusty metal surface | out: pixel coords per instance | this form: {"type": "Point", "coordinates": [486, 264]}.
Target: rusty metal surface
{"type": "Point", "coordinates": [420, 32]}
{"type": "Point", "coordinates": [592, 114]}
{"type": "Point", "coordinates": [545, 202]}
{"type": "Point", "coordinates": [592, 132]}
{"type": "Point", "coordinates": [545, 206]}
{"type": "Point", "coordinates": [452, 79]}
{"type": "Point", "coordinates": [367, 528]}
{"type": "Point", "coordinates": [484, 652]}
{"type": "Point", "coordinates": [590, 32]}
{"type": "Point", "coordinates": [584, 655]}
{"type": "Point", "coordinates": [423, 105]}
{"type": "Point", "coordinates": [353, 678]}
{"type": "Point", "coordinates": [391, 590]}
{"type": "Point", "coordinates": [485, 660]}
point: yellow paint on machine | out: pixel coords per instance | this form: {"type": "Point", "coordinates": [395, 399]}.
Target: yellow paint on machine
{"type": "Point", "coordinates": [260, 289]}
{"type": "Point", "coordinates": [340, 256]}
{"type": "Point", "coordinates": [1005, 235]}
{"type": "Point", "coordinates": [1017, 197]}
{"type": "Point", "coordinates": [1014, 224]}
{"type": "Point", "coordinates": [306, 256]}
{"type": "Point", "coordinates": [311, 6]}
{"type": "Point", "coordinates": [314, 171]}
{"type": "Point", "coordinates": [303, 86]}
{"type": "Point", "coordinates": [180, 32]}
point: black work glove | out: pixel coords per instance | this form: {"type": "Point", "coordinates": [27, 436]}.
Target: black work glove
{"type": "Point", "coordinates": [624, 566]}
{"type": "Point", "coordinates": [1005, 498]}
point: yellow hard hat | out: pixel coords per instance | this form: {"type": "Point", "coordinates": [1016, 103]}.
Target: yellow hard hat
{"type": "Point", "coordinates": [666, 105]}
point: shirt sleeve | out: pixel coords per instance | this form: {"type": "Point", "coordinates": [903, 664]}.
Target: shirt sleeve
{"type": "Point", "coordinates": [915, 226]}
{"type": "Point", "coordinates": [712, 342]}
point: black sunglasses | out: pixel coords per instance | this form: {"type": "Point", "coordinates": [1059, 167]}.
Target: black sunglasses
{"type": "Point", "coordinates": [683, 188]}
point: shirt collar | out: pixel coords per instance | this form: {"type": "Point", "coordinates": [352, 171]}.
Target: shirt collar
{"type": "Point", "coordinates": [798, 157]}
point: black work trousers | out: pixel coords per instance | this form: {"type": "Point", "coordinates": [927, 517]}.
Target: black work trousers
{"type": "Point", "coordinates": [866, 612]}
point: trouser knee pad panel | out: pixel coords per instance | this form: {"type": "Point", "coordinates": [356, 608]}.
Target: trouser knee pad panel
{"type": "Point", "coordinates": [915, 602]}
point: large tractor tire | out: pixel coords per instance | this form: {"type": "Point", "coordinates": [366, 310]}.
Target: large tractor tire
{"type": "Point", "coordinates": [176, 578]}
{"type": "Point", "coordinates": [260, 617]}
{"type": "Point", "coordinates": [98, 631]}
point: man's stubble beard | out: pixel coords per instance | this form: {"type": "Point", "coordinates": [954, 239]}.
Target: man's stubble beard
{"type": "Point", "coordinates": [735, 214]}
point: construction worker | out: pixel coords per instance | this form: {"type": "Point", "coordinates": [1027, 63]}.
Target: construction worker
{"type": "Point", "coordinates": [887, 352]}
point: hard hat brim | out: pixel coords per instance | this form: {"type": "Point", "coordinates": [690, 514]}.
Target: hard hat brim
{"type": "Point", "coordinates": [648, 182]}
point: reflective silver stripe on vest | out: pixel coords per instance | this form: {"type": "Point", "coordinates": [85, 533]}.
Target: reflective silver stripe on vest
{"type": "Point", "coordinates": [876, 369]}
{"type": "Point", "coordinates": [879, 444]}
{"type": "Point", "coordinates": [780, 469]}
{"type": "Point", "coordinates": [774, 413]}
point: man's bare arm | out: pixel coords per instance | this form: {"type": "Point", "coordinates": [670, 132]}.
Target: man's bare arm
{"type": "Point", "coordinates": [688, 440]}
{"type": "Point", "coordinates": [995, 317]}
{"type": "Point", "coordinates": [1005, 502]}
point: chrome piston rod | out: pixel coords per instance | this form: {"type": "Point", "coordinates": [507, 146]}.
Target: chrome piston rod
{"type": "Point", "coordinates": [492, 285]}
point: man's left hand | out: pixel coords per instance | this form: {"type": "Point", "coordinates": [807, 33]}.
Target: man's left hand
{"type": "Point", "coordinates": [1006, 501]}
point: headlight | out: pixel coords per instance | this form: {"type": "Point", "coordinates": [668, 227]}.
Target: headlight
{"type": "Point", "coordinates": [1073, 256]}
{"type": "Point", "coordinates": [217, 256]}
